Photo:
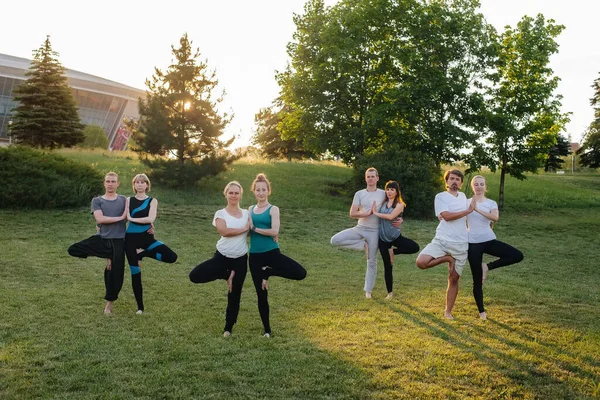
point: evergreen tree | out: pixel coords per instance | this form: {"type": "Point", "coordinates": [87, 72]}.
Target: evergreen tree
{"type": "Point", "coordinates": [179, 119]}
{"type": "Point", "coordinates": [561, 149]}
{"type": "Point", "coordinates": [179, 115]}
{"type": "Point", "coordinates": [590, 149]}
{"type": "Point", "coordinates": [46, 115]}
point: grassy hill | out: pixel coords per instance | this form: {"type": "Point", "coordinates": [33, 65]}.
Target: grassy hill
{"type": "Point", "coordinates": [542, 339]}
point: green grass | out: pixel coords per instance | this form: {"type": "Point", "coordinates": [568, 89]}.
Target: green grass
{"type": "Point", "coordinates": [542, 339]}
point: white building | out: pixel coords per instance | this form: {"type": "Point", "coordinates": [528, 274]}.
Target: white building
{"type": "Point", "coordinates": [100, 101]}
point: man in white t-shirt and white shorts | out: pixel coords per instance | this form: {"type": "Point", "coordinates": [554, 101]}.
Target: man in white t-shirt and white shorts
{"type": "Point", "coordinates": [451, 242]}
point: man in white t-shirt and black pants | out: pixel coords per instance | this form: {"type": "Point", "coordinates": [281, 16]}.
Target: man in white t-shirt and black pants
{"type": "Point", "coordinates": [451, 242]}
{"type": "Point", "coordinates": [366, 233]}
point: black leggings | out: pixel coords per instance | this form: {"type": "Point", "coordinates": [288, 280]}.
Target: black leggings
{"type": "Point", "coordinates": [277, 265]}
{"type": "Point", "coordinates": [402, 246]}
{"type": "Point", "coordinates": [114, 249]}
{"type": "Point", "coordinates": [220, 267]}
{"type": "Point", "coordinates": [152, 248]}
{"type": "Point", "coordinates": [507, 254]}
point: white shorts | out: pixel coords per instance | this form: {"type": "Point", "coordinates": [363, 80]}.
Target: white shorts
{"type": "Point", "coordinates": [458, 250]}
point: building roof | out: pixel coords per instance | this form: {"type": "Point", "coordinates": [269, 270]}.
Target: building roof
{"type": "Point", "coordinates": [16, 67]}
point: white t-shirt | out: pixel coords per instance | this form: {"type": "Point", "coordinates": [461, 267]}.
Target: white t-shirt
{"type": "Point", "coordinates": [232, 246]}
{"type": "Point", "coordinates": [456, 230]}
{"type": "Point", "coordinates": [479, 226]}
{"type": "Point", "coordinates": [364, 200]}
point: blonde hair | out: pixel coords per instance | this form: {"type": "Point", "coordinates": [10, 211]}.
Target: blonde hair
{"type": "Point", "coordinates": [261, 178]}
{"type": "Point", "coordinates": [478, 177]}
{"type": "Point", "coordinates": [112, 174]}
{"type": "Point", "coordinates": [236, 183]}
{"type": "Point", "coordinates": [143, 178]}
{"type": "Point", "coordinates": [372, 169]}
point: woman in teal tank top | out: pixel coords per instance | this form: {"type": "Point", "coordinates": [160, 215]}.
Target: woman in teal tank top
{"type": "Point", "coordinates": [265, 258]}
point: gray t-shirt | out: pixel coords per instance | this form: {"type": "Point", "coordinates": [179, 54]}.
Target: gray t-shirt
{"type": "Point", "coordinates": [111, 208]}
{"type": "Point", "coordinates": [364, 200]}
{"type": "Point", "coordinates": [387, 232]}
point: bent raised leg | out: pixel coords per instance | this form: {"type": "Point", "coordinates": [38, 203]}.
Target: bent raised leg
{"type": "Point", "coordinates": [283, 266]}
{"type": "Point", "coordinates": [159, 251]}
{"type": "Point", "coordinates": [210, 270]}
{"type": "Point", "coordinates": [352, 238]}
{"type": "Point", "coordinates": [507, 254]}
{"type": "Point", "coordinates": [404, 245]}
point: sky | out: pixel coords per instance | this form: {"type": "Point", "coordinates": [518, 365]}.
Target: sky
{"type": "Point", "coordinates": [245, 43]}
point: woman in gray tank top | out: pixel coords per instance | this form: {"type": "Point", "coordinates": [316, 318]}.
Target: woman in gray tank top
{"type": "Point", "coordinates": [389, 236]}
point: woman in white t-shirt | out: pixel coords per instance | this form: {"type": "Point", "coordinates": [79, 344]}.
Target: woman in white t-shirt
{"type": "Point", "coordinates": [231, 258]}
{"type": "Point", "coordinates": [482, 240]}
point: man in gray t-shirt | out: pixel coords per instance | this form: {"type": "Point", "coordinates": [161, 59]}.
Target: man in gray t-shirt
{"type": "Point", "coordinates": [110, 208]}
{"type": "Point", "coordinates": [109, 211]}
{"type": "Point", "coordinates": [365, 235]}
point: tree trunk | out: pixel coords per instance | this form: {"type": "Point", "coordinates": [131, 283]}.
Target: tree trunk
{"type": "Point", "coordinates": [502, 178]}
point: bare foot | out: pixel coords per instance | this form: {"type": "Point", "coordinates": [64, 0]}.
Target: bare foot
{"type": "Point", "coordinates": [265, 284]}
{"type": "Point", "coordinates": [448, 315]}
{"type": "Point", "coordinates": [483, 316]}
{"type": "Point", "coordinates": [484, 269]}
{"type": "Point", "coordinates": [138, 251]}
{"type": "Point", "coordinates": [368, 295]}
{"type": "Point", "coordinates": [108, 264]}
{"type": "Point", "coordinates": [389, 296]}
{"type": "Point", "coordinates": [226, 334]}
{"type": "Point", "coordinates": [230, 281]}
{"type": "Point", "coordinates": [391, 251]}
{"type": "Point", "coordinates": [108, 307]}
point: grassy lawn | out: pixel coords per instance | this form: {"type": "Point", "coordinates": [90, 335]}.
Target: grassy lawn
{"type": "Point", "coordinates": [542, 339]}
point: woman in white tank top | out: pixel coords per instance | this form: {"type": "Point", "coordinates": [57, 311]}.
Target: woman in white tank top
{"type": "Point", "coordinates": [231, 257]}
{"type": "Point", "coordinates": [482, 240]}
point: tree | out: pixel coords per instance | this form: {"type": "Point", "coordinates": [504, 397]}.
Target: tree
{"type": "Point", "coordinates": [268, 136]}
{"type": "Point", "coordinates": [589, 152]}
{"type": "Point", "coordinates": [440, 95]}
{"type": "Point", "coordinates": [562, 148]}
{"type": "Point", "coordinates": [95, 137]}
{"type": "Point", "coordinates": [523, 114]}
{"type": "Point", "coordinates": [46, 114]}
{"type": "Point", "coordinates": [366, 74]}
{"type": "Point", "coordinates": [179, 117]}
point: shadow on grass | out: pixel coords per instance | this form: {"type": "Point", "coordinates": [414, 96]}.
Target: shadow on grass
{"type": "Point", "coordinates": [536, 366]}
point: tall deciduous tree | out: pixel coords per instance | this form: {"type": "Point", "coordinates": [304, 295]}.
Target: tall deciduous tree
{"type": "Point", "coordinates": [179, 119]}
{"type": "Point", "coordinates": [590, 149]}
{"type": "Point", "coordinates": [368, 74]}
{"type": "Point", "coordinates": [268, 136]}
{"type": "Point", "coordinates": [524, 117]}
{"type": "Point", "coordinates": [46, 115]}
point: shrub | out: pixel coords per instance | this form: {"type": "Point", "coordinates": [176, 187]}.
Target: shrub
{"type": "Point", "coordinates": [418, 176]}
{"type": "Point", "coordinates": [95, 137]}
{"type": "Point", "coordinates": [34, 179]}
{"type": "Point", "coordinates": [176, 174]}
